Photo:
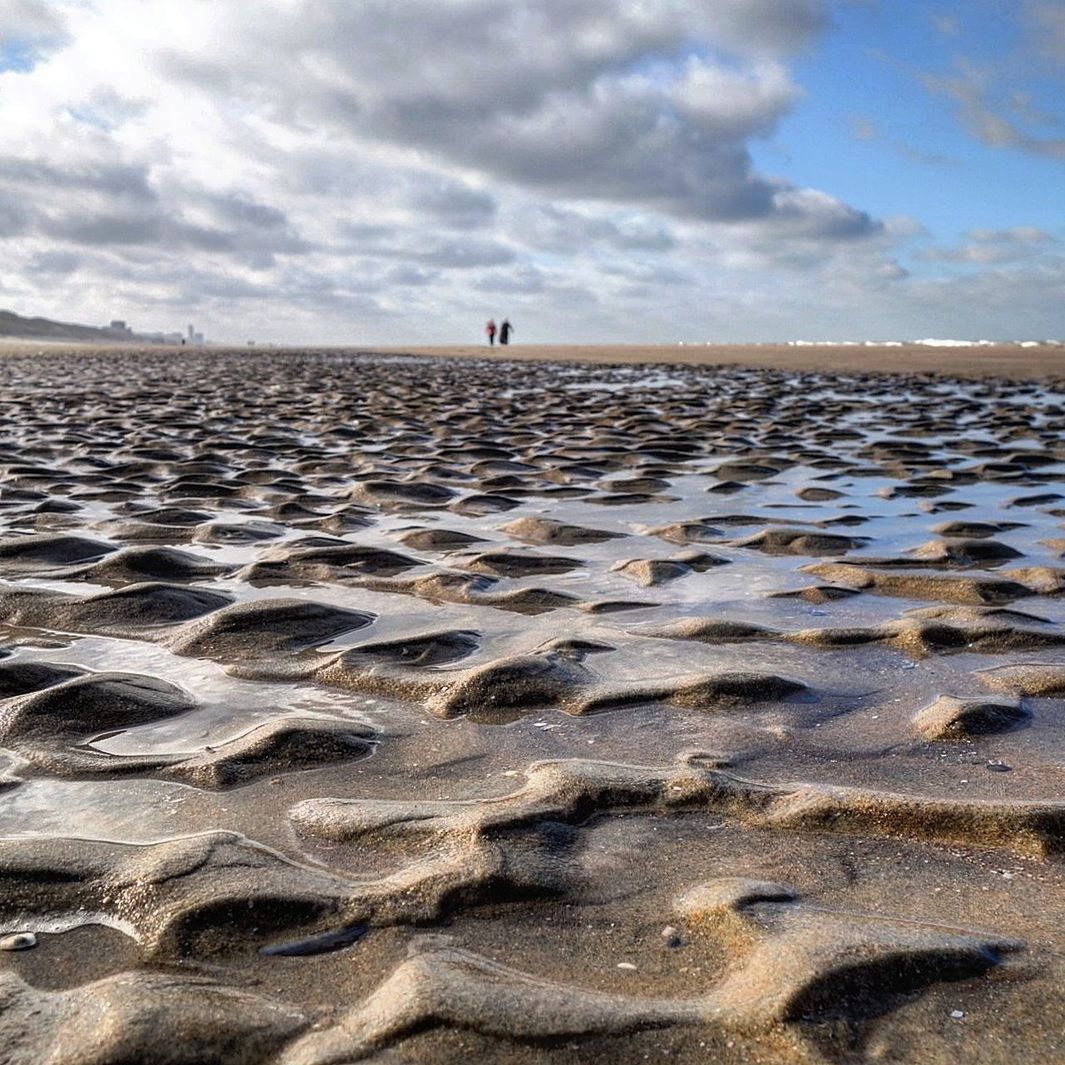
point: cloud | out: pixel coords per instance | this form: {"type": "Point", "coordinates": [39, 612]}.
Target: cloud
{"type": "Point", "coordinates": [993, 246]}
{"type": "Point", "coordinates": [863, 128]}
{"type": "Point", "coordinates": [56, 262]}
{"type": "Point", "coordinates": [462, 254]}
{"type": "Point", "coordinates": [410, 276]}
{"type": "Point", "coordinates": [999, 122]}
{"type": "Point", "coordinates": [569, 231]}
{"type": "Point", "coordinates": [1046, 24]}
{"type": "Point", "coordinates": [649, 103]}
{"type": "Point", "coordinates": [31, 23]}
{"type": "Point", "coordinates": [453, 204]}
{"type": "Point", "coordinates": [382, 170]}
{"type": "Point", "coordinates": [913, 154]}
{"type": "Point", "coordinates": [29, 31]}
{"type": "Point", "coordinates": [947, 23]}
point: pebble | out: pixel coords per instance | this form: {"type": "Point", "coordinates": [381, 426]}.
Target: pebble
{"type": "Point", "coordinates": [998, 767]}
{"type": "Point", "coordinates": [627, 965]}
{"type": "Point", "coordinates": [19, 941]}
{"type": "Point", "coordinates": [957, 1014]}
{"type": "Point", "coordinates": [671, 936]}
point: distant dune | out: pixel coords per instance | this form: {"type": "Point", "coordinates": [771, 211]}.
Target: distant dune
{"type": "Point", "coordinates": [14, 325]}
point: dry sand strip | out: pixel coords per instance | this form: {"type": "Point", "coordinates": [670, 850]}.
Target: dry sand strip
{"type": "Point", "coordinates": [999, 360]}
{"type": "Point", "coordinates": [422, 709]}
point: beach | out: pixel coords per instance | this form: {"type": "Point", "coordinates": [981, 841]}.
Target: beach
{"type": "Point", "coordinates": [1019, 361]}
{"type": "Point", "coordinates": [599, 704]}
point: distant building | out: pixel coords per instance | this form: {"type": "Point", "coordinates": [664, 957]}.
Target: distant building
{"type": "Point", "coordinates": [119, 326]}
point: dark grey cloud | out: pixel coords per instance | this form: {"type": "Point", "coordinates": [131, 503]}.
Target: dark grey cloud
{"type": "Point", "coordinates": [410, 276]}
{"type": "Point", "coordinates": [160, 229]}
{"type": "Point", "coordinates": [453, 204]}
{"type": "Point", "coordinates": [567, 231]}
{"type": "Point", "coordinates": [118, 180]}
{"type": "Point", "coordinates": [117, 205]}
{"type": "Point", "coordinates": [809, 215]}
{"type": "Point", "coordinates": [106, 230]}
{"type": "Point", "coordinates": [679, 148]}
{"type": "Point", "coordinates": [523, 280]}
{"type": "Point", "coordinates": [13, 221]}
{"type": "Point", "coordinates": [238, 210]}
{"type": "Point", "coordinates": [462, 254]}
{"type": "Point", "coordinates": [55, 262]}
{"type": "Point", "coordinates": [658, 274]}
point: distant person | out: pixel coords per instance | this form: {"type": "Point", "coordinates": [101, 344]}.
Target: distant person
{"type": "Point", "coordinates": [504, 332]}
{"type": "Point", "coordinates": [490, 331]}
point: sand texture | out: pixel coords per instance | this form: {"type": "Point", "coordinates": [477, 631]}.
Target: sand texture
{"type": "Point", "coordinates": [414, 709]}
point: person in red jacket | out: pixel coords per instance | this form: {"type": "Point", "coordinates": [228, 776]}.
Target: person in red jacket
{"type": "Point", "coordinates": [490, 331]}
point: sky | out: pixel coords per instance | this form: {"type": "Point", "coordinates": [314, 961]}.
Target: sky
{"type": "Point", "coordinates": [397, 171]}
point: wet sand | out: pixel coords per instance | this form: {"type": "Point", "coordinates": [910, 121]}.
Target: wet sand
{"type": "Point", "coordinates": [397, 709]}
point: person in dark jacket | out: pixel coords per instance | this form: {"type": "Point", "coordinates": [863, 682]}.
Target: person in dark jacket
{"type": "Point", "coordinates": [504, 331]}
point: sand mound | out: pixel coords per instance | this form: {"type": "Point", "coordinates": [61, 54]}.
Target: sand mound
{"type": "Point", "coordinates": [510, 563]}
{"type": "Point", "coordinates": [972, 552]}
{"type": "Point", "coordinates": [920, 585]}
{"type": "Point", "coordinates": [264, 627]}
{"type": "Point", "coordinates": [401, 494]}
{"type": "Point", "coordinates": [546, 531]}
{"type": "Point", "coordinates": [48, 552]}
{"type": "Point", "coordinates": [226, 534]}
{"type": "Point", "coordinates": [177, 1020]}
{"type": "Point", "coordinates": [687, 532]}
{"type": "Point", "coordinates": [776, 541]}
{"type": "Point", "coordinates": [130, 610]}
{"type": "Point", "coordinates": [137, 564]}
{"type": "Point", "coordinates": [511, 685]}
{"type": "Point", "coordinates": [88, 705]}
{"type": "Point", "coordinates": [434, 649]}
{"type": "Point", "coordinates": [20, 678]}
{"type": "Point", "coordinates": [439, 539]}
{"type": "Point", "coordinates": [328, 562]}
{"type": "Point", "coordinates": [1036, 679]}
{"type": "Point", "coordinates": [280, 746]}
{"type": "Point", "coordinates": [952, 718]}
